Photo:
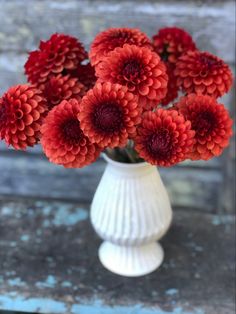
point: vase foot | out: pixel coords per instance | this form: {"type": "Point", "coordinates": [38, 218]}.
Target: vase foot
{"type": "Point", "coordinates": [131, 261]}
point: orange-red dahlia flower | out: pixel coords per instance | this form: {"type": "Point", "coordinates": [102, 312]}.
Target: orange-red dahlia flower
{"type": "Point", "coordinates": [164, 137]}
{"type": "Point", "coordinates": [109, 114]}
{"type": "Point", "coordinates": [57, 55]}
{"type": "Point", "coordinates": [22, 109]}
{"type": "Point", "coordinates": [172, 88]}
{"type": "Point", "coordinates": [63, 141]}
{"type": "Point", "coordinates": [59, 88]}
{"type": "Point", "coordinates": [112, 38]}
{"type": "Point", "coordinates": [85, 74]}
{"type": "Point", "coordinates": [203, 73]}
{"type": "Point", "coordinates": [138, 68]}
{"type": "Point", "coordinates": [171, 42]}
{"type": "Point", "coordinates": [211, 123]}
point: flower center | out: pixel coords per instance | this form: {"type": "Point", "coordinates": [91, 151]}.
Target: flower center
{"type": "Point", "coordinates": [131, 70]}
{"type": "Point", "coordinates": [204, 123]}
{"type": "Point", "coordinates": [108, 118]}
{"type": "Point", "coordinates": [120, 35]}
{"type": "Point", "coordinates": [159, 144]}
{"type": "Point", "coordinates": [72, 131]}
{"type": "Point", "coordinates": [208, 63]}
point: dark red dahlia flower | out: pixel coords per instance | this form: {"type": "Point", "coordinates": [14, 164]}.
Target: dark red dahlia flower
{"type": "Point", "coordinates": [112, 38]}
{"type": "Point", "coordinates": [172, 88]}
{"type": "Point", "coordinates": [59, 88]}
{"type": "Point", "coordinates": [109, 114]}
{"type": "Point", "coordinates": [85, 74]}
{"type": "Point", "coordinates": [164, 137]}
{"type": "Point", "coordinates": [63, 141]}
{"type": "Point", "coordinates": [171, 42]}
{"type": "Point", "coordinates": [203, 73]}
{"type": "Point", "coordinates": [211, 123]}
{"type": "Point", "coordinates": [57, 55]}
{"type": "Point", "coordinates": [22, 109]}
{"type": "Point", "coordinates": [138, 68]}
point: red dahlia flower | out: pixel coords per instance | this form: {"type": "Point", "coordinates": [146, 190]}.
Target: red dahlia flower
{"type": "Point", "coordinates": [22, 109]}
{"type": "Point", "coordinates": [57, 55]}
{"type": "Point", "coordinates": [109, 114]}
{"type": "Point", "coordinates": [171, 42]}
{"type": "Point", "coordinates": [112, 38]}
{"type": "Point", "coordinates": [60, 88]}
{"type": "Point", "coordinates": [63, 141]}
{"type": "Point", "coordinates": [85, 74]}
{"type": "Point", "coordinates": [138, 68]}
{"type": "Point", "coordinates": [164, 137]}
{"type": "Point", "coordinates": [203, 73]}
{"type": "Point", "coordinates": [211, 123]}
{"type": "Point", "coordinates": [172, 88]}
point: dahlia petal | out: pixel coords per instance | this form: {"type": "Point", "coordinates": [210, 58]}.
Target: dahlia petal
{"type": "Point", "coordinates": [206, 117]}
{"type": "Point", "coordinates": [56, 55]}
{"type": "Point", "coordinates": [63, 140]}
{"type": "Point", "coordinates": [162, 139]}
{"type": "Point", "coordinates": [206, 74]}
{"type": "Point", "coordinates": [18, 115]}
{"type": "Point", "coordinates": [143, 90]}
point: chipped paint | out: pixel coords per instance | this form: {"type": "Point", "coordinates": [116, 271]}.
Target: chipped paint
{"type": "Point", "coordinates": [66, 284]}
{"type": "Point", "coordinates": [223, 219]}
{"type": "Point", "coordinates": [171, 292]}
{"type": "Point", "coordinates": [25, 238]}
{"type": "Point", "coordinates": [16, 282]}
{"type": "Point", "coordinates": [50, 282]}
{"type": "Point", "coordinates": [32, 305]}
{"type": "Point", "coordinates": [95, 307]}
{"type": "Point", "coordinates": [7, 211]}
{"type": "Point", "coordinates": [62, 215]}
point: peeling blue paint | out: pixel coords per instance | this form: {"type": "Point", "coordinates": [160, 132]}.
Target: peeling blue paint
{"type": "Point", "coordinates": [99, 308]}
{"type": "Point", "coordinates": [32, 305]}
{"type": "Point", "coordinates": [46, 223]}
{"type": "Point", "coordinates": [64, 216]}
{"type": "Point", "coordinates": [25, 238]}
{"type": "Point", "coordinates": [171, 291]}
{"type": "Point", "coordinates": [8, 211]}
{"type": "Point", "coordinates": [66, 284]}
{"type": "Point", "coordinates": [222, 219]}
{"type": "Point", "coordinates": [47, 210]}
{"type": "Point", "coordinates": [96, 307]}
{"type": "Point", "coordinates": [16, 282]}
{"type": "Point", "coordinates": [50, 282]}
{"type": "Point", "coordinates": [13, 244]}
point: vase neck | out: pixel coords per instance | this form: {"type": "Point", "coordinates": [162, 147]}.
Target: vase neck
{"type": "Point", "coordinates": [125, 169]}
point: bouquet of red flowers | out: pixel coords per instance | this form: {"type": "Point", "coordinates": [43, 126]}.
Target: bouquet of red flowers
{"type": "Point", "coordinates": [122, 97]}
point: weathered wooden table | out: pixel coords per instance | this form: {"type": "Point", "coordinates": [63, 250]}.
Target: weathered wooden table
{"type": "Point", "coordinates": [49, 264]}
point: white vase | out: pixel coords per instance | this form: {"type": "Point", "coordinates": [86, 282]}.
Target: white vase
{"type": "Point", "coordinates": [131, 211]}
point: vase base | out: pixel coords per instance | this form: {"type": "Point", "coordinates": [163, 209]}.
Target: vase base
{"type": "Point", "coordinates": [132, 261]}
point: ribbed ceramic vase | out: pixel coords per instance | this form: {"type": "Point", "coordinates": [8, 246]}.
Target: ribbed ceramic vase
{"type": "Point", "coordinates": [131, 212]}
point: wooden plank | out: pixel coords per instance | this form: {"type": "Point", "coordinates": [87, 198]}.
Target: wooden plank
{"type": "Point", "coordinates": [21, 25]}
{"type": "Point", "coordinates": [49, 264]}
{"type": "Point", "coordinates": [214, 163]}
{"type": "Point", "coordinates": [36, 177]}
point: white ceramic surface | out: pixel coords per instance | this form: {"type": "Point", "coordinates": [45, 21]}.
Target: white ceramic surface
{"type": "Point", "coordinates": [131, 211]}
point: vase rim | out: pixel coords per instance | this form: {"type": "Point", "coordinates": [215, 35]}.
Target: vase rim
{"type": "Point", "coordinates": [124, 164]}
